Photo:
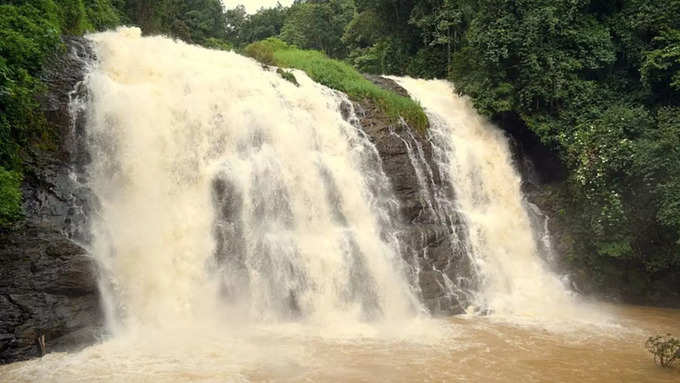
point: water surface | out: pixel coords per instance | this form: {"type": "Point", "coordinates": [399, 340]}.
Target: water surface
{"type": "Point", "coordinates": [463, 349]}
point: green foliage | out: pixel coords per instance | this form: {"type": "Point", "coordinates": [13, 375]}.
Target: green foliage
{"type": "Point", "coordinates": [243, 29]}
{"type": "Point", "coordinates": [665, 349]}
{"type": "Point", "coordinates": [415, 38]}
{"type": "Point", "coordinates": [29, 33]}
{"type": "Point", "coordinates": [338, 75]}
{"type": "Point", "coordinates": [426, 62]}
{"type": "Point", "coordinates": [288, 76]}
{"type": "Point", "coordinates": [363, 30]}
{"type": "Point", "coordinates": [203, 18]}
{"type": "Point", "coordinates": [214, 43]}
{"type": "Point", "coordinates": [193, 21]}
{"type": "Point", "coordinates": [658, 163]}
{"type": "Point", "coordinates": [103, 14]}
{"type": "Point", "coordinates": [442, 25]}
{"type": "Point", "coordinates": [73, 17]}
{"type": "Point", "coordinates": [10, 197]}
{"type": "Point", "coordinates": [602, 152]}
{"type": "Point", "coordinates": [263, 51]}
{"type": "Point", "coordinates": [372, 52]}
{"type": "Point", "coordinates": [539, 49]}
{"type": "Point", "coordinates": [661, 66]}
{"type": "Point", "coordinates": [318, 25]}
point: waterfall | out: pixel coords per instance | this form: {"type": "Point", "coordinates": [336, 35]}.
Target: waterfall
{"type": "Point", "coordinates": [227, 191]}
{"type": "Point", "coordinates": [475, 160]}
{"type": "Point", "coordinates": [245, 230]}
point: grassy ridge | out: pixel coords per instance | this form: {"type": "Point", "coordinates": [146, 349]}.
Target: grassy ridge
{"type": "Point", "coordinates": [338, 75]}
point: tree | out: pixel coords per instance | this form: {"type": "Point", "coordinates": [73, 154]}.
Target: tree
{"type": "Point", "coordinates": [235, 21]}
{"type": "Point", "coordinates": [661, 66]}
{"type": "Point", "coordinates": [442, 23]}
{"type": "Point", "coordinates": [318, 25]}
{"type": "Point", "coordinates": [243, 29]}
{"type": "Point", "coordinates": [190, 20]}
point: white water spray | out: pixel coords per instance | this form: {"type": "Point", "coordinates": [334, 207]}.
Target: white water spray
{"type": "Point", "coordinates": [190, 145]}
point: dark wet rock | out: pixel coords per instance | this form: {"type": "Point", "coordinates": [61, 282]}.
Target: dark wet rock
{"type": "Point", "coordinates": [386, 83]}
{"type": "Point", "coordinates": [423, 236]}
{"type": "Point", "coordinates": [47, 280]}
{"type": "Point", "coordinates": [537, 163]}
{"type": "Point", "coordinates": [47, 287]}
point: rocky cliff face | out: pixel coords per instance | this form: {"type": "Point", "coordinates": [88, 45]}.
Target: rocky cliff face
{"type": "Point", "coordinates": [47, 281]}
{"type": "Point", "coordinates": [443, 269]}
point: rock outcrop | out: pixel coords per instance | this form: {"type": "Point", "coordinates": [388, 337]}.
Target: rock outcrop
{"type": "Point", "coordinates": [47, 287]}
{"type": "Point", "coordinates": [443, 270]}
{"type": "Point", "coordinates": [48, 281]}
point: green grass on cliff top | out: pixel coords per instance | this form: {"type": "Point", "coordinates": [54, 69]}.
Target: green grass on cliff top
{"type": "Point", "coordinates": [338, 75]}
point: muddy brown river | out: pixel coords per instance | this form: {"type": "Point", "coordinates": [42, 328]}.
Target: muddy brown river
{"type": "Point", "coordinates": [458, 349]}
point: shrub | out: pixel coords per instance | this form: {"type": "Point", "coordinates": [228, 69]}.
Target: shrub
{"type": "Point", "coordinates": [263, 51]}
{"type": "Point", "coordinates": [10, 197]}
{"type": "Point", "coordinates": [214, 43]}
{"type": "Point", "coordinates": [288, 76]}
{"type": "Point", "coordinates": [665, 348]}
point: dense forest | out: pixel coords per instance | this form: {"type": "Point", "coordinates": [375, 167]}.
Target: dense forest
{"type": "Point", "coordinates": [596, 81]}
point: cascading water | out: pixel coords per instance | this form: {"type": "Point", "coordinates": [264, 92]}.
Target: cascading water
{"type": "Point", "coordinates": [209, 207]}
{"type": "Point", "coordinates": [476, 161]}
{"type": "Point", "coordinates": [223, 185]}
